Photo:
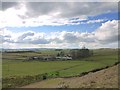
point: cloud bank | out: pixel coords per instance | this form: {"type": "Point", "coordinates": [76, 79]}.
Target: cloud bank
{"type": "Point", "coordinates": [18, 14]}
{"type": "Point", "coordinates": [105, 35]}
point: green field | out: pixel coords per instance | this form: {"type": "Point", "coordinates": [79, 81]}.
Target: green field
{"type": "Point", "coordinates": [13, 67]}
{"type": "Point", "coordinates": [13, 64]}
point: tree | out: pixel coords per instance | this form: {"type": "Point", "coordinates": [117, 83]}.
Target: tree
{"type": "Point", "coordinates": [91, 53]}
{"type": "Point", "coordinates": [74, 53]}
{"type": "Point", "coordinates": [62, 53]}
{"type": "Point", "coordinates": [80, 53]}
{"type": "Point", "coordinates": [84, 53]}
{"type": "Point", "coordinates": [58, 55]}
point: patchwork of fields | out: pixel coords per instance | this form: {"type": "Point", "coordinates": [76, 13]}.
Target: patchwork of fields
{"type": "Point", "coordinates": [14, 64]}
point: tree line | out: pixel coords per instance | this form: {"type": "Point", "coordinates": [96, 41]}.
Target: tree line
{"type": "Point", "coordinates": [77, 53]}
{"type": "Point", "coordinates": [80, 53]}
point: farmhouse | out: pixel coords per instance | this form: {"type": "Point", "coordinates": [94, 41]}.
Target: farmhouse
{"type": "Point", "coordinates": [64, 58]}
{"type": "Point", "coordinates": [35, 57]}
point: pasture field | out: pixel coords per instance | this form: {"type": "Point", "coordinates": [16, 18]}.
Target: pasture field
{"type": "Point", "coordinates": [14, 64]}
{"type": "Point", "coordinates": [106, 78]}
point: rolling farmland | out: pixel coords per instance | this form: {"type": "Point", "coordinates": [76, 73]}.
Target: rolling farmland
{"type": "Point", "coordinates": [14, 64]}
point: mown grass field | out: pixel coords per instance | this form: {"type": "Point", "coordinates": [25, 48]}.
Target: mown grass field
{"type": "Point", "coordinates": [13, 64]}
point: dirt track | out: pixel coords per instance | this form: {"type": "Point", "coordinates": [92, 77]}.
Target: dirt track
{"type": "Point", "coordinates": [107, 78]}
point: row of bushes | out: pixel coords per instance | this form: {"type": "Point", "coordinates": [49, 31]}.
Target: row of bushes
{"type": "Point", "coordinates": [18, 81]}
{"type": "Point", "coordinates": [94, 70]}
{"type": "Point", "coordinates": [98, 69]}
{"type": "Point", "coordinates": [17, 51]}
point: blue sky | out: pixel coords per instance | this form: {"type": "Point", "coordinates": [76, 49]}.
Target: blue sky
{"type": "Point", "coordinates": [41, 25]}
{"type": "Point", "coordinates": [81, 27]}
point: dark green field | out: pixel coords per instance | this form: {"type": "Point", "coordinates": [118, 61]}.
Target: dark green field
{"type": "Point", "coordinates": [14, 65]}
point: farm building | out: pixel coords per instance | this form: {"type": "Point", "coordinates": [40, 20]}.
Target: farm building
{"type": "Point", "coordinates": [64, 58]}
{"type": "Point", "coordinates": [50, 58]}
{"type": "Point", "coordinates": [47, 58]}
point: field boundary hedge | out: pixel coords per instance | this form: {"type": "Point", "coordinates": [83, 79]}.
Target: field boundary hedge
{"type": "Point", "coordinates": [18, 81]}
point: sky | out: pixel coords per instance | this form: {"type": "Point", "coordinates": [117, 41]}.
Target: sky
{"type": "Point", "coordinates": [59, 24]}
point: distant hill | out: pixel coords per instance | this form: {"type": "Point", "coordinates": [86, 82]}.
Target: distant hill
{"type": "Point", "coordinates": [26, 49]}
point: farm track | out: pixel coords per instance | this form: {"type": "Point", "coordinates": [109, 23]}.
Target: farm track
{"type": "Point", "coordinates": [69, 67]}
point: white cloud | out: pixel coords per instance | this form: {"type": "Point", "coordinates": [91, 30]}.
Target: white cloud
{"type": "Point", "coordinates": [108, 32]}
{"type": "Point", "coordinates": [70, 9]}
{"type": "Point", "coordinates": [105, 36]}
{"type": "Point", "coordinates": [24, 36]}
{"type": "Point", "coordinates": [12, 16]}
{"type": "Point", "coordinates": [94, 21]}
{"type": "Point", "coordinates": [52, 13]}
